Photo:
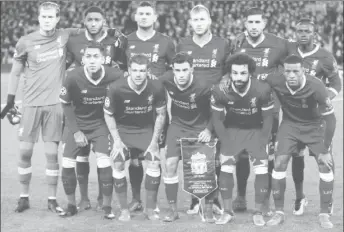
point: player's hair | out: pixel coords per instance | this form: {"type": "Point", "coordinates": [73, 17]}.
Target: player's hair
{"type": "Point", "coordinates": [94, 9]}
{"type": "Point", "coordinates": [293, 59]}
{"type": "Point", "coordinates": [254, 11]}
{"type": "Point", "coordinates": [147, 4]}
{"type": "Point", "coordinates": [306, 21]}
{"type": "Point", "coordinates": [240, 59]}
{"type": "Point", "coordinates": [97, 45]}
{"type": "Point", "coordinates": [48, 6]}
{"type": "Point", "coordinates": [182, 57]}
{"type": "Point", "coordinates": [199, 8]}
{"type": "Point", "coordinates": [139, 59]}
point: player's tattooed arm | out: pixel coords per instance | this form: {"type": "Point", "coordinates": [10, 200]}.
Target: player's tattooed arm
{"type": "Point", "coordinates": [159, 123]}
{"type": "Point", "coordinates": [112, 125]}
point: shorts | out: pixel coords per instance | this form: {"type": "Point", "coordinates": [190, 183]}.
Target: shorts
{"type": "Point", "coordinates": [49, 119]}
{"type": "Point", "coordinates": [174, 133]}
{"type": "Point", "coordinates": [293, 137]}
{"type": "Point", "coordinates": [100, 139]}
{"type": "Point", "coordinates": [137, 143]}
{"type": "Point", "coordinates": [242, 141]}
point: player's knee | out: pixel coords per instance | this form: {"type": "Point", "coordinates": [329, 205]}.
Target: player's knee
{"type": "Point", "coordinates": [324, 169]}
{"type": "Point", "coordinates": [25, 157]}
{"type": "Point", "coordinates": [82, 159]}
{"type": "Point", "coordinates": [68, 162]}
{"type": "Point", "coordinates": [135, 162]}
{"type": "Point", "coordinates": [119, 166]}
{"type": "Point", "coordinates": [278, 175]}
{"type": "Point", "coordinates": [69, 180]}
{"type": "Point", "coordinates": [280, 164]}
{"type": "Point", "coordinates": [261, 167]}
{"type": "Point", "coordinates": [326, 176]}
{"type": "Point", "coordinates": [51, 148]}
{"type": "Point", "coordinates": [171, 166]}
{"type": "Point", "coordinates": [103, 161]}
{"type": "Point", "coordinates": [227, 169]}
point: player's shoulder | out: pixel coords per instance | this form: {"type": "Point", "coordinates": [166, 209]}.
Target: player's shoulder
{"type": "Point", "coordinates": [75, 74]}
{"type": "Point", "coordinates": [156, 85]}
{"type": "Point", "coordinates": [29, 38]}
{"type": "Point", "coordinates": [119, 85]}
{"type": "Point", "coordinates": [216, 90]}
{"type": "Point", "coordinates": [260, 86]}
{"type": "Point", "coordinates": [132, 36]}
{"type": "Point", "coordinates": [315, 83]}
{"type": "Point", "coordinates": [275, 38]}
{"type": "Point", "coordinates": [325, 54]}
{"type": "Point", "coordinates": [274, 79]}
{"type": "Point", "coordinates": [186, 40]}
{"type": "Point", "coordinates": [113, 73]}
{"type": "Point", "coordinates": [219, 40]}
{"type": "Point", "coordinates": [162, 36]}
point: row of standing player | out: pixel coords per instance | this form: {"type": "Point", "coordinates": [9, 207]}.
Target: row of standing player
{"type": "Point", "coordinates": [264, 51]}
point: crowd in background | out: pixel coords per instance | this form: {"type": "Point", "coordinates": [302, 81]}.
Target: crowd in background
{"type": "Point", "coordinates": [20, 17]}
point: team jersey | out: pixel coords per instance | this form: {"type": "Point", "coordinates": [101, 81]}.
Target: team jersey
{"type": "Point", "coordinates": [209, 60]}
{"type": "Point", "coordinates": [87, 95]}
{"type": "Point", "coordinates": [44, 58]}
{"type": "Point", "coordinates": [159, 49]}
{"type": "Point", "coordinates": [114, 45]}
{"type": "Point", "coordinates": [243, 110]}
{"type": "Point", "coordinates": [321, 64]}
{"type": "Point", "coordinates": [190, 106]}
{"type": "Point", "coordinates": [134, 111]}
{"type": "Point", "coordinates": [268, 53]}
{"type": "Point", "coordinates": [305, 105]}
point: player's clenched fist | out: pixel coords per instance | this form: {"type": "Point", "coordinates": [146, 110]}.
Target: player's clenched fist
{"type": "Point", "coordinates": [119, 148]}
{"type": "Point", "coordinates": [80, 139]}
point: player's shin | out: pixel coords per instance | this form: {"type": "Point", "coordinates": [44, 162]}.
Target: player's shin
{"type": "Point", "coordinates": [69, 179]}
{"type": "Point", "coordinates": [261, 184]}
{"type": "Point", "coordinates": [136, 177]}
{"type": "Point", "coordinates": [278, 188]}
{"type": "Point", "coordinates": [326, 189]}
{"type": "Point", "coordinates": [226, 184]}
{"type": "Point", "coordinates": [242, 174]}
{"type": "Point", "coordinates": [52, 168]}
{"type": "Point", "coordinates": [83, 170]}
{"type": "Point", "coordinates": [172, 181]}
{"type": "Point", "coordinates": [120, 185]}
{"type": "Point", "coordinates": [105, 178]}
{"type": "Point", "coordinates": [25, 170]}
{"type": "Point", "coordinates": [298, 165]}
{"type": "Point", "coordinates": [152, 183]}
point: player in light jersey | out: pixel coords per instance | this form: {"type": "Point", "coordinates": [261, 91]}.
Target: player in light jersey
{"type": "Point", "coordinates": [321, 64]}
{"type": "Point", "coordinates": [115, 56]}
{"type": "Point", "coordinates": [209, 54]}
{"type": "Point", "coordinates": [308, 118]}
{"type": "Point", "coordinates": [41, 54]}
{"type": "Point", "coordinates": [129, 108]}
{"type": "Point", "coordinates": [268, 51]}
{"type": "Point", "coordinates": [190, 117]}
{"type": "Point", "coordinates": [82, 94]}
{"type": "Point", "coordinates": [160, 50]}
{"type": "Point", "coordinates": [245, 129]}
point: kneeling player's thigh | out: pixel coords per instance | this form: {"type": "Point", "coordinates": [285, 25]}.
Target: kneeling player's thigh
{"type": "Point", "coordinates": [52, 123]}
{"type": "Point", "coordinates": [139, 141]}
{"type": "Point", "coordinates": [102, 144]}
{"type": "Point", "coordinates": [30, 124]}
{"type": "Point", "coordinates": [255, 148]}
{"type": "Point", "coordinates": [235, 143]}
{"type": "Point", "coordinates": [288, 140]}
{"type": "Point", "coordinates": [174, 133]}
{"type": "Point", "coordinates": [72, 151]}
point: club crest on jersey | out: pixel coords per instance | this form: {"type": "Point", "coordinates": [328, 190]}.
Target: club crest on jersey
{"type": "Point", "coordinates": [304, 103]}
{"type": "Point", "coordinates": [192, 97]}
{"type": "Point", "coordinates": [243, 50]}
{"type": "Point", "coordinates": [214, 53]}
{"type": "Point", "coordinates": [156, 48]}
{"type": "Point", "coordinates": [266, 52]}
{"type": "Point", "coordinates": [253, 102]}
{"type": "Point", "coordinates": [132, 47]}
{"type": "Point", "coordinates": [63, 91]}
{"type": "Point", "coordinates": [107, 102]}
{"type": "Point", "coordinates": [212, 99]}
{"type": "Point", "coordinates": [58, 40]}
{"type": "Point", "coordinates": [314, 64]}
{"type": "Point", "coordinates": [108, 49]}
{"type": "Point", "coordinates": [150, 100]}
{"type": "Point", "coordinates": [189, 52]}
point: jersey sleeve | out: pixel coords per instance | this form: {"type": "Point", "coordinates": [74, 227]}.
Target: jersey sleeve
{"type": "Point", "coordinates": [324, 101]}
{"type": "Point", "coordinates": [216, 99]}
{"type": "Point", "coordinates": [67, 89]}
{"type": "Point", "coordinates": [171, 51]}
{"type": "Point", "coordinates": [74, 31]}
{"type": "Point", "coordinates": [160, 98]}
{"type": "Point", "coordinates": [116, 73]}
{"type": "Point", "coordinates": [110, 100]}
{"type": "Point", "coordinates": [267, 99]}
{"type": "Point", "coordinates": [332, 75]}
{"type": "Point", "coordinates": [20, 53]}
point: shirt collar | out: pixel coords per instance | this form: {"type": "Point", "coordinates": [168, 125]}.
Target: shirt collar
{"type": "Point", "coordinates": [303, 55]}
{"type": "Point", "coordinates": [251, 42]}
{"type": "Point", "coordinates": [95, 82]}
{"type": "Point", "coordinates": [89, 37]}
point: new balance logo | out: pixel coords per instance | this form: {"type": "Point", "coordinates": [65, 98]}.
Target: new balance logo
{"type": "Point", "coordinates": [126, 101]}
{"type": "Point", "coordinates": [170, 92]}
{"type": "Point", "coordinates": [84, 91]}
{"type": "Point", "coordinates": [230, 103]}
{"type": "Point", "coordinates": [132, 47]}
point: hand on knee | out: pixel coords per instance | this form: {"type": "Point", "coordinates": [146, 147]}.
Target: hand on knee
{"type": "Point", "coordinates": [261, 167]}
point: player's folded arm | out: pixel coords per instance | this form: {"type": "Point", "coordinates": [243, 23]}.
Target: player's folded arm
{"type": "Point", "coordinates": [332, 75]}
{"type": "Point", "coordinates": [218, 114]}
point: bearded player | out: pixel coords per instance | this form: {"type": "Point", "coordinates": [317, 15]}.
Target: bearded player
{"type": "Point", "coordinates": [114, 44]}
{"type": "Point", "coordinates": [308, 119]}
{"type": "Point", "coordinates": [129, 108]}
{"type": "Point", "coordinates": [160, 50]}
{"type": "Point", "coordinates": [244, 128]}
{"type": "Point", "coordinates": [41, 55]}
{"type": "Point", "coordinates": [209, 53]}
{"type": "Point", "coordinates": [268, 51]}
{"type": "Point", "coordinates": [321, 64]}
{"type": "Point", "coordinates": [82, 94]}
{"type": "Point", "coordinates": [190, 111]}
